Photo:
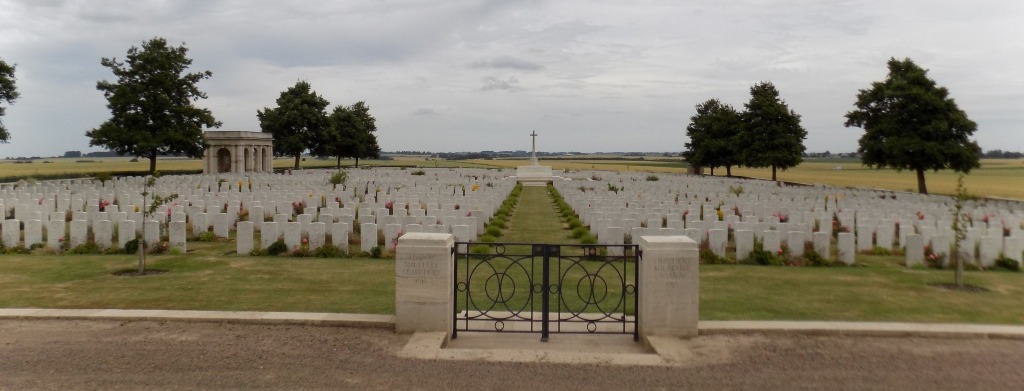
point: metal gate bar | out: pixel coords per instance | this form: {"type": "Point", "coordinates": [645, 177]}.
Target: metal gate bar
{"type": "Point", "coordinates": [489, 296]}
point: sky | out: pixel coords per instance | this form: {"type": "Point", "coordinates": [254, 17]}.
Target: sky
{"type": "Point", "coordinates": [472, 75]}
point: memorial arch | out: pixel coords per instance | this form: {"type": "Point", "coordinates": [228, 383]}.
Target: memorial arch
{"type": "Point", "coordinates": [238, 152]}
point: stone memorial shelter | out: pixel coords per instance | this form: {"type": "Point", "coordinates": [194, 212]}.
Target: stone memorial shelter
{"type": "Point", "coordinates": [238, 152]}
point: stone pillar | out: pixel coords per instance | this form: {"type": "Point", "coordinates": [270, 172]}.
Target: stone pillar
{"type": "Point", "coordinates": [424, 291]}
{"type": "Point", "coordinates": [669, 287]}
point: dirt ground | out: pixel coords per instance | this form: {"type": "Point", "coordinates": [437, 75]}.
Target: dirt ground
{"type": "Point", "coordinates": [144, 355]}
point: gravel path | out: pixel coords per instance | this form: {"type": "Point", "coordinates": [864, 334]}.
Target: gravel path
{"type": "Point", "coordinates": [144, 355]}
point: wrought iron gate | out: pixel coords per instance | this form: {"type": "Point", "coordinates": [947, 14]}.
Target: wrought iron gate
{"type": "Point", "coordinates": [546, 288]}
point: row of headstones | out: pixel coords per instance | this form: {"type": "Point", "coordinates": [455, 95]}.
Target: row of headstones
{"type": "Point", "coordinates": [292, 233]}
{"type": "Point", "coordinates": [182, 185]}
{"type": "Point", "coordinates": [994, 243]}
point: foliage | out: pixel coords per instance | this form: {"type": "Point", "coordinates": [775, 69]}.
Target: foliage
{"type": "Point", "coordinates": [737, 191]}
{"type": "Point", "coordinates": [298, 120]}
{"type": "Point", "coordinates": [349, 133]}
{"type": "Point", "coordinates": [131, 246]}
{"type": "Point", "coordinates": [88, 247]}
{"type": "Point", "coordinates": [277, 248]}
{"type": "Point", "coordinates": [961, 221]}
{"type": "Point", "coordinates": [708, 256]}
{"type": "Point", "coordinates": [912, 124]}
{"type": "Point", "coordinates": [338, 178]}
{"type": "Point", "coordinates": [493, 231]}
{"type": "Point", "coordinates": [151, 104]}
{"type": "Point", "coordinates": [771, 132]}
{"type": "Point", "coordinates": [418, 173]}
{"type": "Point", "coordinates": [8, 93]}
{"type": "Point", "coordinates": [1008, 264]}
{"type": "Point", "coordinates": [205, 236]}
{"type": "Point", "coordinates": [375, 252]}
{"type": "Point", "coordinates": [712, 132]}
{"type": "Point", "coordinates": [652, 178]}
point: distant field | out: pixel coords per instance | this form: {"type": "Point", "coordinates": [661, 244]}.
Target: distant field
{"type": "Point", "coordinates": [996, 177]}
{"type": "Point", "coordinates": [47, 168]}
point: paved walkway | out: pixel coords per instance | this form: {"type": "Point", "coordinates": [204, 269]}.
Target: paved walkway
{"type": "Point", "coordinates": [388, 322]}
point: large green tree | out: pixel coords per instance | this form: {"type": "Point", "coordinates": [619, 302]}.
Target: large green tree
{"type": "Point", "coordinates": [151, 104]}
{"type": "Point", "coordinates": [8, 93]}
{"type": "Point", "coordinates": [712, 132]}
{"type": "Point", "coordinates": [350, 133]}
{"type": "Point", "coordinates": [298, 120]}
{"type": "Point", "coordinates": [910, 123]}
{"type": "Point", "coordinates": [772, 135]}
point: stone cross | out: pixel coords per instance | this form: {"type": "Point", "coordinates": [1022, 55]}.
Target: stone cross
{"type": "Point", "coordinates": [533, 151]}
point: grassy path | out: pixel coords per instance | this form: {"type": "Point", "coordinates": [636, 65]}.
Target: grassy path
{"type": "Point", "coordinates": [536, 219]}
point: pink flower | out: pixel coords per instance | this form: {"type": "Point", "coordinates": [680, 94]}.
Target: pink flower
{"type": "Point", "coordinates": [305, 241]}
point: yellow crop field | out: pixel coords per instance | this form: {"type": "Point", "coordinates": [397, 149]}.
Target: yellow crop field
{"type": "Point", "coordinates": [1003, 178]}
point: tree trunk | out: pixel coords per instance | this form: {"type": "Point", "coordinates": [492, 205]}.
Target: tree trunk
{"type": "Point", "coordinates": [339, 162]}
{"type": "Point", "coordinates": [297, 156]}
{"type": "Point", "coordinates": [921, 187]}
{"type": "Point", "coordinates": [357, 161]}
{"type": "Point", "coordinates": [773, 172]}
{"type": "Point", "coordinates": [142, 253]}
{"type": "Point", "coordinates": [728, 171]}
{"type": "Point", "coordinates": [152, 162]}
{"type": "Point", "coordinates": [712, 171]}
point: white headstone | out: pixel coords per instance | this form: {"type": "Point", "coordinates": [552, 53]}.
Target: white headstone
{"type": "Point", "coordinates": [243, 237]}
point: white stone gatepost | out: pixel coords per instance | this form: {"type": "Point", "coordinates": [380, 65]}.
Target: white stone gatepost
{"type": "Point", "coordinates": [424, 291]}
{"type": "Point", "coordinates": [669, 287]}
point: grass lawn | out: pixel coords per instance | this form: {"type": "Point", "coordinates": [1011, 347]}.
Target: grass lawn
{"type": "Point", "coordinates": [879, 290]}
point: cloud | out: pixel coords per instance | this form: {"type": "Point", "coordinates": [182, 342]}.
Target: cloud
{"type": "Point", "coordinates": [507, 62]}
{"type": "Point", "coordinates": [425, 111]}
{"type": "Point", "coordinates": [494, 83]}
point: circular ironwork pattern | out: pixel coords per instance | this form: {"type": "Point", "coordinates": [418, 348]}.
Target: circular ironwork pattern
{"type": "Point", "coordinates": [461, 286]}
{"type": "Point", "coordinates": [499, 325]}
{"type": "Point", "coordinates": [630, 289]}
{"type": "Point", "coordinates": [591, 326]}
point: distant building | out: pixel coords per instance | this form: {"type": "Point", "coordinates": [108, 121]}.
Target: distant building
{"type": "Point", "coordinates": [238, 152]}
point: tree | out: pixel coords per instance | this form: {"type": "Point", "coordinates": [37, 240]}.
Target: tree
{"type": "Point", "coordinates": [772, 135]}
{"type": "Point", "coordinates": [350, 133]}
{"type": "Point", "coordinates": [912, 124]}
{"type": "Point", "coordinates": [712, 131]}
{"type": "Point", "coordinates": [151, 104]}
{"type": "Point", "coordinates": [298, 120]}
{"type": "Point", "coordinates": [8, 93]}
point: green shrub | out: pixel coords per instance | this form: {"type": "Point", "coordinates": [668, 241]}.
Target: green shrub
{"type": "Point", "coordinates": [205, 236]}
{"type": "Point", "coordinates": [375, 252]}
{"type": "Point", "coordinates": [487, 239]}
{"type": "Point", "coordinates": [574, 223]}
{"type": "Point", "coordinates": [1008, 264]}
{"type": "Point", "coordinates": [327, 251]}
{"type": "Point", "coordinates": [493, 231]}
{"type": "Point", "coordinates": [338, 178]}
{"type": "Point", "coordinates": [812, 258]}
{"type": "Point", "coordinates": [708, 257]}
{"type": "Point", "coordinates": [418, 173]}
{"type": "Point", "coordinates": [277, 248]}
{"type": "Point", "coordinates": [587, 238]}
{"type": "Point", "coordinates": [764, 257]}
{"type": "Point", "coordinates": [881, 251]}
{"type": "Point", "coordinates": [578, 232]}
{"type": "Point", "coordinates": [131, 246]}
{"type": "Point", "coordinates": [652, 178]}
{"type": "Point", "coordinates": [85, 248]}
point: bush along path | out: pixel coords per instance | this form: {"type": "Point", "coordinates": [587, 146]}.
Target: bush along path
{"type": "Point", "coordinates": [535, 215]}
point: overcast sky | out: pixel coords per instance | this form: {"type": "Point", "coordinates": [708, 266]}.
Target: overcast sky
{"type": "Point", "coordinates": [468, 75]}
